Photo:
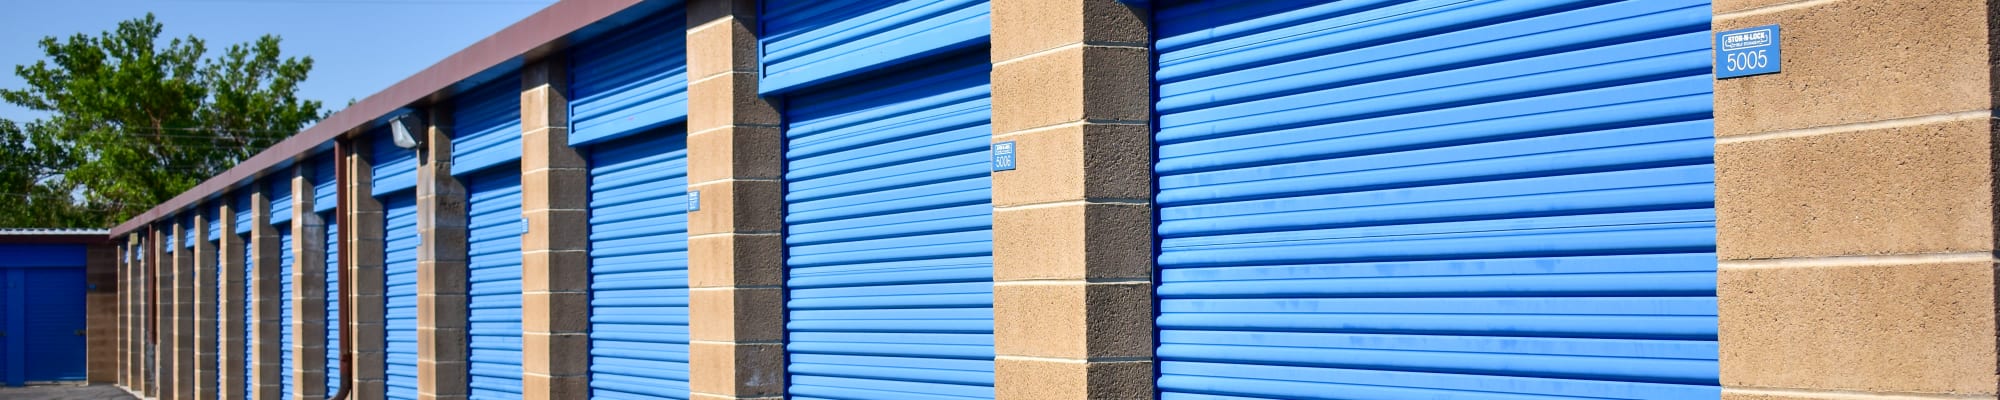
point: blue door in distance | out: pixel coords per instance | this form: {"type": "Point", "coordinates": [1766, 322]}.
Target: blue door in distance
{"type": "Point", "coordinates": [639, 267]}
{"type": "Point", "coordinates": [889, 233]}
{"type": "Point", "coordinates": [399, 278]}
{"type": "Point", "coordinates": [1436, 199]}
{"type": "Point", "coordinates": [493, 244]}
{"type": "Point", "coordinates": [285, 326]}
{"type": "Point", "coordinates": [42, 315]}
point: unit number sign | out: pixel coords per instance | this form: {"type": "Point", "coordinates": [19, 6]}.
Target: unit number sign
{"type": "Point", "coordinates": [1748, 51]}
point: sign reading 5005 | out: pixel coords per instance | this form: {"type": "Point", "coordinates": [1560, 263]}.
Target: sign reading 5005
{"type": "Point", "coordinates": [1749, 51]}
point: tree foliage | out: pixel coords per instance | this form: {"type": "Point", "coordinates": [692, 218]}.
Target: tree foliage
{"type": "Point", "coordinates": [132, 121]}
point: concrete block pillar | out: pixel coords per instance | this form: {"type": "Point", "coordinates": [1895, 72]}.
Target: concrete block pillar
{"type": "Point", "coordinates": [555, 281]}
{"type": "Point", "coordinates": [125, 281]}
{"type": "Point", "coordinates": [101, 271]}
{"type": "Point", "coordinates": [1072, 224]}
{"type": "Point", "coordinates": [1855, 200]}
{"type": "Point", "coordinates": [184, 367]}
{"type": "Point", "coordinates": [735, 265]}
{"type": "Point", "coordinates": [442, 368]}
{"type": "Point", "coordinates": [206, 314]}
{"type": "Point", "coordinates": [158, 300]}
{"type": "Point", "coordinates": [308, 292]}
{"type": "Point", "coordinates": [365, 280]}
{"type": "Point", "coordinates": [234, 299]}
{"type": "Point", "coordinates": [264, 294]}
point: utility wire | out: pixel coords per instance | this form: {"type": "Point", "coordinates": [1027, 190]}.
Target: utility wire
{"type": "Point", "coordinates": [378, 2]}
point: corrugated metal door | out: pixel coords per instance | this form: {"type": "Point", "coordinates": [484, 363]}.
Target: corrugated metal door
{"type": "Point", "coordinates": [10, 354]}
{"type": "Point", "coordinates": [889, 220]}
{"type": "Point", "coordinates": [332, 303]}
{"type": "Point", "coordinates": [245, 222]}
{"type": "Point", "coordinates": [1440, 199]}
{"type": "Point", "coordinates": [399, 271]}
{"type": "Point", "coordinates": [212, 212]}
{"type": "Point", "coordinates": [55, 323]}
{"type": "Point", "coordinates": [285, 356]}
{"type": "Point", "coordinates": [325, 192]}
{"type": "Point", "coordinates": [639, 267]}
{"type": "Point", "coordinates": [493, 244]}
{"type": "Point", "coordinates": [629, 80]}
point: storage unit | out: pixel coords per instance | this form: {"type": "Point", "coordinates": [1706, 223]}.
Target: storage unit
{"type": "Point", "coordinates": [1435, 199]}
{"type": "Point", "coordinates": [639, 267]}
{"type": "Point", "coordinates": [246, 221]}
{"type": "Point", "coordinates": [486, 122]}
{"type": "Point", "coordinates": [630, 80]}
{"type": "Point", "coordinates": [888, 201]}
{"type": "Point", "coordinates": [286, 325]}
{"type": "Point", "coordinates": [494, 263]}
{"type": "Point", "coordinates": [42, 313]}
{"type": "Point", "coordinates": [394, 173]}
{"type": "Point", "coordinates": [325, 199]}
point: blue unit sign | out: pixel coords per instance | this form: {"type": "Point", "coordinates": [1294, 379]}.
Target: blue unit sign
{"type": "Point", "coordinates": [694, 200]}
{"type": "Point", "coordinates": [1003, 156]}
{"type": "Point", "coordinates": [1748, 51]}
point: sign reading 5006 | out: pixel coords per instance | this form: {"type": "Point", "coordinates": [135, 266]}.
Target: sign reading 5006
{"type": "Point", "coordinates": [1749, 51]}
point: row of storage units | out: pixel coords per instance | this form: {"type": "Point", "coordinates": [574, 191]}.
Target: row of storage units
{"type": "Point", "coordinates": [1365, 199]}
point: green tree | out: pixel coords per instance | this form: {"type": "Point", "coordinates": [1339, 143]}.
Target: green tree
{"type": "Point", "coordinates": [133, 121]}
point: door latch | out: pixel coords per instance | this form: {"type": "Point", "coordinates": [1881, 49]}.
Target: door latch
{"type": "Point", "coordinates": [79, 332]}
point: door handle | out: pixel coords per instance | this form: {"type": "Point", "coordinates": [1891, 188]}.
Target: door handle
{"type": "Point", "coordinates": [79, 332]}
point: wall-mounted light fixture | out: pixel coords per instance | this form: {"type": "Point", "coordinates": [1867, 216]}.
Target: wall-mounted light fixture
{"type": "Point", "coordinates": [405, 129]}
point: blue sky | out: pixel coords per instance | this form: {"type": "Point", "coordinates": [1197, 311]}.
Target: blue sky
{"type": "Point", "coordinates": [358, 46]}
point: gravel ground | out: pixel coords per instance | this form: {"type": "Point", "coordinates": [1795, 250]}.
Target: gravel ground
{"type": "Point", "coordinates": [64, 392]}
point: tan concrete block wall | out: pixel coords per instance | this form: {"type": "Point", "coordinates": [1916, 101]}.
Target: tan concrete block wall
{"type": "Point", "coordinates": [365, 279]}
{"type": "Point", "coordinates": [235, 298]}
{"type": "Point", "coordinates": [308, 292]}
{"type": "Point", "coordinates": [736, 308]}
{"type": "Point", "coordinates": [206, 311]}
{"type": "Point", "coordinates": [1855, 203]}
{"type": "Point", "coordinates": [101, 325]}
{"type": "Point", "coordinates": [1072, 226]}
{"type": "Point", "coordinates": [157, 302]}
{"type": "Point", "coordinates": [185, 359]}
{"type": "Point", "coordinates": [264, 247]}
{"type": "Point", "coordinates": [555, 292]}
{"type": "Point", "coordinates": [442, 368]}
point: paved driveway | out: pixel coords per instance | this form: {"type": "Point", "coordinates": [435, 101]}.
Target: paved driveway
{"type": "Point", "coordinates": [64, 392]}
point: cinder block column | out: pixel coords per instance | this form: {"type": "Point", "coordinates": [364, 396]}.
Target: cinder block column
{"type": "Point", "coordinates": [1855, 201]}
{"type": "Point", "coordinates": [441, 269]}
{"type": "Point", "coordinates": [185, 369]}
{"type": "Point", "coordinates": [1072, 224]}
{"type": "Point", "coordinates": [264, 248]}
{"type": "Point", "coordinates": [308, 292]}
{"type": "Point", "coordinates": [124, 311]}
{"type": "Point", "coordinates": [364, 281]}
{"type": "Point", "coordinates": [205, 310]}
{"type": "Point", "coordinates": [159, 300]}
{"type": "Point", "coordinates": [555, 281]}
{"type": "Point", "coordinates": [234, 296]}
{"type": "Point", "coordinates": [735, 265]}
{"type": "Point", "coordinates": [101, 338]}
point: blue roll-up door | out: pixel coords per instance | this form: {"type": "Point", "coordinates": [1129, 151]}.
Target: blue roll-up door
{"type": "Point", "coordinates": [11, 299]}
{"type": "Point", "coordinates": [493, 244]}
{"type": "Point", "coordinates": [486, 127]}
{"type": "Point", "coordinates": [809, 43]}
{"type": "Point", "coordinates": [639, 267]}
{"type": "Point", "coordinates": [249, 312]}
{"type": "Point", "coordinates": [332, 302]}
{"type": "Point", "coordinates": [280, 191]}
{"type": "Point", "coordinates": [1436, 199]}
{"type": "Point", "coordinates": [629, 80]}
{"type": "Point", "coordinates": [889, 235]}
{"type": "Point", "coordinates": [285, 356]}
{"type": "Point", "coordinates": [54, 306]}
{"type": "Point", "coordinates": [399, 276]}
